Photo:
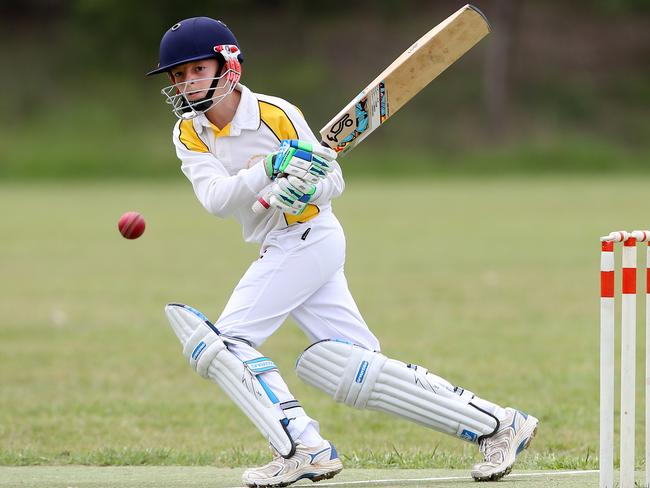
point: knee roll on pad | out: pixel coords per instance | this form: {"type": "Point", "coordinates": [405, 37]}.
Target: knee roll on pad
{"type": "Point", "coordinates": [209, 356]}
{"type": "Point", "coordinates": [362, 378]}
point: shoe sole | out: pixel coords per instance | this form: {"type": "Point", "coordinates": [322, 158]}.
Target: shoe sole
{"type": "Point", "coordinates": [500, 474]}
{"type": "Point", "coordinates": [306, 476]}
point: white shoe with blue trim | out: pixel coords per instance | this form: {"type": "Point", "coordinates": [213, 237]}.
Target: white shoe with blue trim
{"type": "Point", "coordinates": [500, 450]}
{"type": "Point", "coordinates": [312, 463]}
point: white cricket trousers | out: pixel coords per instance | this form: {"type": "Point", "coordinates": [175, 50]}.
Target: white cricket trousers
{"type": "Point", "coordinates": [300, 274]}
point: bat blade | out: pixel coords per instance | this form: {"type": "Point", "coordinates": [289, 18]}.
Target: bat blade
{"type": "Point", "coordinates": [404, 78]}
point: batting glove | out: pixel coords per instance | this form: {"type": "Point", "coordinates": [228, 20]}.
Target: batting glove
{"type": "Point", "coordinates": [301, 159]}
{"type": "Point", "coordinates": [291, 194]}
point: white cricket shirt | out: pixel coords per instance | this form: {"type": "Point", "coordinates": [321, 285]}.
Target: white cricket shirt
{"type": "Point", "coordinates": [225, 166]}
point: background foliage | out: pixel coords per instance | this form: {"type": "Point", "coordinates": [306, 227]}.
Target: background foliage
{"type": "Point", "coordinates": [558, 86]}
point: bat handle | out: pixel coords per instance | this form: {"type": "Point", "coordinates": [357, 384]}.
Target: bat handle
{"type": "Point", "coordinates": [260, 206]}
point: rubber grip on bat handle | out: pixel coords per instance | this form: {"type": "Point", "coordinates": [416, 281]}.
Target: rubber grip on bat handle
{"type": "Point", "coordinates": [260, 205]}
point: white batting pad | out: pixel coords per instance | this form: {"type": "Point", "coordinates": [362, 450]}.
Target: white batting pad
{"type": "Point", "coordinates": [362, 378]}
{"type": "Point", "coordinates": [208, 355]}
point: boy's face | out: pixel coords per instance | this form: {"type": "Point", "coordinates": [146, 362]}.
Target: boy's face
{"type": "Point", "coordinates": [195, 77]}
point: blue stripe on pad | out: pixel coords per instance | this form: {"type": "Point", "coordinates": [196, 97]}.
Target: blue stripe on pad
{"type": "Point", "coordinates": [198, 350]}
{"type": "Point", "coordinates": [363, 367]}
{"type": "Point", "coordinates": [202, 317]}
{"type": "Point", "coordinates": [195, 312]}
{"type": "Point", "coordinates": [268, 391]}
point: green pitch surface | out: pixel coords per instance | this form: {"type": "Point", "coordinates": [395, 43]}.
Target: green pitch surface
{"type": "Point", "coordinates": [492, 284]}
{"type": "Point", "coordinates": [208, 477]}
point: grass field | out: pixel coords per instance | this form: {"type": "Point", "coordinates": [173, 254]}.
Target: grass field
{"type": "Point", "coordinates": [491, 283]}
{"type": "Point", "coordinates": [210, 477]}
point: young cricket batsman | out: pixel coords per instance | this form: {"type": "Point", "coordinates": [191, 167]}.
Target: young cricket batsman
{"type": "Point", "coordinates": [234, 146]}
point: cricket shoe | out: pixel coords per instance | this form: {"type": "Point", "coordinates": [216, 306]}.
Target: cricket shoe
{"type": "Point", "coordinates": [500, 449]}
{"type": "Point", "coordinates": [312, 463]}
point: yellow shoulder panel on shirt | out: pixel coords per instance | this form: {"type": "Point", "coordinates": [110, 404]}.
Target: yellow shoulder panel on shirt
{"type": "Point", "coordinates": [190, 138]}
{"type": "Point", "coordinates": [278, 121]}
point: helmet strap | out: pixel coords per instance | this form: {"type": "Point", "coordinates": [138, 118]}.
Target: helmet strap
{"type": "Point", "coordinates": [207, 102]}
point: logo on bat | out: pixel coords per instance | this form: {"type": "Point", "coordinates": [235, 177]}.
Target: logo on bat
{"type": "Point", "coordinates": [362, 119]}
{"type": "Point", "coordinates": [337, 128]}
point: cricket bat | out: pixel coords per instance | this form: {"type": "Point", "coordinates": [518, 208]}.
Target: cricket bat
{"type": "Point", "coordinates": [414, 69]}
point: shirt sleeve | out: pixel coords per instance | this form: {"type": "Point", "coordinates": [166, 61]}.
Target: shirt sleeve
{"type": "Point", "coordinates": [219, 193]}
{"type": "Point", "coordinates": [327, 188]}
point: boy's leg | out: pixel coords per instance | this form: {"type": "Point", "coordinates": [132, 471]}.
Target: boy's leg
{"type": "Point", "coordinates": [302, 428]}
{"type": "Point", "coordinates": [288, 271]}
{"type": "Point", "coordinates": [331, 313]}
{"type": "Point", "coordinates": [273, 285]}
{"type": "Point", "coordinates": [210, 354]}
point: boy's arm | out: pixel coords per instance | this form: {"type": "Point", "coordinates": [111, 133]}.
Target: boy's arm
{"type": "Point", "coordinates": [219, 193]}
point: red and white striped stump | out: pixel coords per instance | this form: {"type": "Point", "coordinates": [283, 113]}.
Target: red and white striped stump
{"type": "Point", "coordinates": [628, 361]}
{"type": "Point", "coordinates": [628, 357]}
{"type": "Point", "coordinates": [607, 320]}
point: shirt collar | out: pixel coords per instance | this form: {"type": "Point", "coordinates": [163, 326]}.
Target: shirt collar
{"type": "Point", "coordinates": [247, 115]}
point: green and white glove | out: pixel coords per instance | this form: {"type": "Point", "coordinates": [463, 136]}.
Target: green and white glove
{"type": "Point", "coordinates": [291, 194]}
{"type": "Point", "coordinates": [302, 159]}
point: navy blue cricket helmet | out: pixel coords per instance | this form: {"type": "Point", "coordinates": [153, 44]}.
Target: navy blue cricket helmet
{"type": "Point", "coordinates": [191, 40]}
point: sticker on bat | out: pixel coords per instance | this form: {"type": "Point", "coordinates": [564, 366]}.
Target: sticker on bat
{"type": "Point", "coordinates": [370, 112]}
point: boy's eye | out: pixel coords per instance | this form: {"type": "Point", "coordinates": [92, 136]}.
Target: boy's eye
{"type": "Point", "coordinates": [200, 68]}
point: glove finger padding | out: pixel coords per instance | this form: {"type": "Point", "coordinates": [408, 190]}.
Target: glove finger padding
{"type": "Point", "coordinates": [301, 169]}
{"type": "Point", "coordinates": [303, 175]}
{"type": "Point", "coordinates": [294, 188]}
{"type": "Point", "coordinates": [291, 194]}
{"type": "Point", "coordinates": [306, 187]}
{"type": "Point", "coordinates": [287, 206]}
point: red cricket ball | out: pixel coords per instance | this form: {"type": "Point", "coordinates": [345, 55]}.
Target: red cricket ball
{"type": "Point", "coordinates": [131, 225]}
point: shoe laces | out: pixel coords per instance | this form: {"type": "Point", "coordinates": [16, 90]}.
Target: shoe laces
{"type": "Point", "coordinates": [494, 447]}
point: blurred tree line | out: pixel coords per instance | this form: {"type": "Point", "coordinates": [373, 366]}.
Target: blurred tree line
{"type": "Point", "coordinates": [548, 70]}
